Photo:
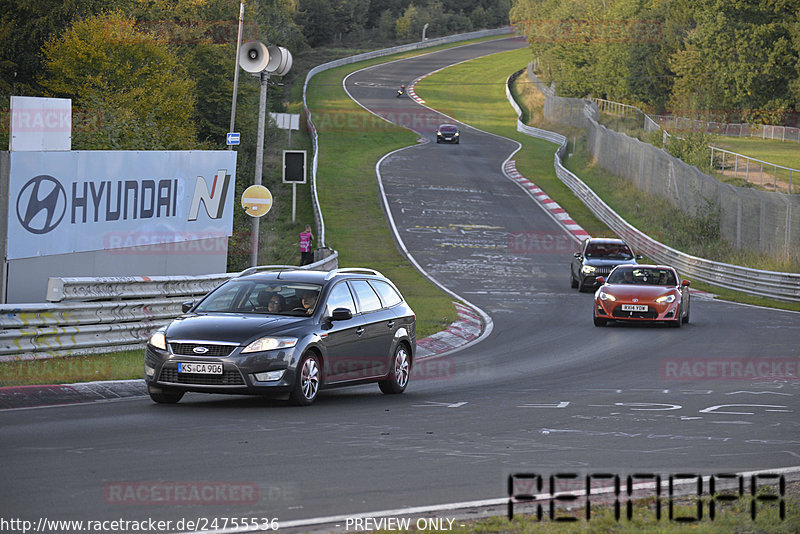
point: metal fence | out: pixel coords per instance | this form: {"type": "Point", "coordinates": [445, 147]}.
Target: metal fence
{"type": "Point", "coordinates": [782, 286]}
{"type": "Point", "coordinates": [751, 170]}
{"type": "Point", "coordinates": [764, 222]}
{"type": "Point", "coordinates": [782, 177]}
{"type": "Point", "coordinates": [109, 314]}
{"type": "Point", "coordinates": [764, 131]}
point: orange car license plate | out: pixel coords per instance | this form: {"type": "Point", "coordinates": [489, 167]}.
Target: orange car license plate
{"type": "Point", "coordinates": [634, 307]}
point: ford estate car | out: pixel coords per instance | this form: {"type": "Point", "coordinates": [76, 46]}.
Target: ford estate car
{"type": "Point", "coordinates": [286, 333]}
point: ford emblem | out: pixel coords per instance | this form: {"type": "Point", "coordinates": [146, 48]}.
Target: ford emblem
{"type": "Point", "coordinates": [200, 350]}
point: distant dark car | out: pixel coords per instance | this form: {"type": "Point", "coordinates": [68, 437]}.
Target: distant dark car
{"type": "Point", "coordinates": [448, 133]}
{"type": "Point", "coordinates": [597, 257]}
{"type": "Point", "coordinates": [286, 332]}
{"type": "Point", "coordinates": [642, 293]}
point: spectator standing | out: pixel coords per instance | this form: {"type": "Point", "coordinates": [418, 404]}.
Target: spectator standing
{"type": "Point", "coordinates": [306, 246]}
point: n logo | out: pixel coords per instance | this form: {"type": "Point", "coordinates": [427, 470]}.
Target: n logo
{"type": "Point", "coordinates": [213, 201]}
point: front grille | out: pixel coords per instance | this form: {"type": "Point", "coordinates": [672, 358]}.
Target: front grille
{"type": "Point", "coordinates": [602, 271]}
{"type": "Point", "coordinates": [649, 314]}
{"type": "Point", "coordinates": [214, 351]}
{"type": "Point", "coordinates": [227, 378]}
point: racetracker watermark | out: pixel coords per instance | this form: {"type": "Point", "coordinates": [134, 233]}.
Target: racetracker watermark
{"type": "Point", "coordinates": [591, 31]}
{"type": "Point", "coordinates": [180, 493]}
{"type": "Point", "coordinates": [159, 243]}
{"type": "Point", "coordinates": [545, 493]}
{"type": "Point", "coordinates": [526, 243]}
{"type": "Point", "coordinates": [444, 368]}
{"type": "Point", "coordinates": [56, 370]}
{"type": "Point", "coordinates": [198, 31]}
{"type": "Point", "coordinates": [730, 369]}
{"type": "Point", "coordinates": [51, 120]}
{"type": "Point", "coordinates": [361, 121]}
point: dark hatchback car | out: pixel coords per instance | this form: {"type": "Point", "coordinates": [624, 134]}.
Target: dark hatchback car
{"type": "Point", "coordinates": [597, 257]}
{"type": "Point", "coordinates": [286, 332]}
{"type": "Point", "coordinates": [448, 133]}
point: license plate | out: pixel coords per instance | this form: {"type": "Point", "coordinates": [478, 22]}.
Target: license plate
{"type": "Point", "coordinates": [634, 307]}
{"type": "Point", "coordinates": [200, 368]}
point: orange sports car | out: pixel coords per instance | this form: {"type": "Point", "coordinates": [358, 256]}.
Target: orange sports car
{"type": "Point", "coordinates": [642, 293]}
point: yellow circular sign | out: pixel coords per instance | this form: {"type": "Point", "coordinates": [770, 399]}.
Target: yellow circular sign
{"type": "Point", "coordinates": [256, 200]}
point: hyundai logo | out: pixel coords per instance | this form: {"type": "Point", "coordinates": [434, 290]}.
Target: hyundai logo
{"type": "Point", "coordinates": [41, 204]}
{"type": "Point", "coordinates": [200, 350]}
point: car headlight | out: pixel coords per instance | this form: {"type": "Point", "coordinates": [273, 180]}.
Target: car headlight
{"type": "Point", "coordinates": [270, 343]}
{"type": "Point", "coordinates": [607, 296]}
{"type": "Point", "coordinates": [588, 269]}
{"type": "Point", "coordinates": [159, 340]}
{"type": "Point", "coordinates": [457, 134]}
{"type": "Point", "coordinates": [666, 298]}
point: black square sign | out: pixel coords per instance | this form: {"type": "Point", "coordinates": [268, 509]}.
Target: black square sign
{"type": "Point", "coordinates": [294, 166]}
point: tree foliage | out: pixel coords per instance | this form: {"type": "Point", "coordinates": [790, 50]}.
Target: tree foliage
{"type": "Point", "coordinates": [736, 59]}
{"type": "Point", "coordinates": [131, 82]}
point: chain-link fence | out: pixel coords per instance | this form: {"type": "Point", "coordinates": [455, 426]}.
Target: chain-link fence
{"type": "Point", "coordinates": [762, 221]}
{"type": "Point", "coordinates": [764, 131]}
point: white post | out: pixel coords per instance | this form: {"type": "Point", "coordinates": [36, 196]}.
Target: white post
{"type": "Point", "coordinates": [294, 200]}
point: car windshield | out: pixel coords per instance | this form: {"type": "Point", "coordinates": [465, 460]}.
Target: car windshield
{"type": "Point", "coordinates": [617, 251]}
{"type": "Point", "coordinates": [273, 297]}
{"type": "Point", "coordinates": [447, 129]}
{"type": "Point", "coordinates": [652, 276]}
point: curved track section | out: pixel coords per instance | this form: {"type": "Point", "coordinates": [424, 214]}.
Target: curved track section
{"type": "Point", "coordinates": [546, 392]}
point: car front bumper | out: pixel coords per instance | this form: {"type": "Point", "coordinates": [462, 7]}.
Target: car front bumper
{"type": "Point", "coordinates": [657, 312]}
{"type": "Point", "coordinates": [238, 376]}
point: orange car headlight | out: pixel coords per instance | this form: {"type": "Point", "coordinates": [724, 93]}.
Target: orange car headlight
{"type": "Point", "coordinates": [666, 298]}
{"type": "Point", "coordinates": [607, 296]}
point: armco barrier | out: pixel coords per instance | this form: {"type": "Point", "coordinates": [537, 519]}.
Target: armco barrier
{"type": "Point", "coordinates": [319, 220]}
{"type": "Point", "coordinates": [781, 286]}
{"type": "Point", "coordinates": [96, 315]}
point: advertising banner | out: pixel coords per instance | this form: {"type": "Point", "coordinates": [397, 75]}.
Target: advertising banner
{"type": "Point", "coordinates": [66, 202]}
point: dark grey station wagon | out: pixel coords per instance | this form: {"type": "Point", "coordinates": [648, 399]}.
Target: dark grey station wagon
{"type": "Point", "coordinates": [290, 332]}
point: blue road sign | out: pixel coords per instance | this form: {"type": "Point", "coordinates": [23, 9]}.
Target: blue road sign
{"type": "Point", "coordinates": [232, 138]}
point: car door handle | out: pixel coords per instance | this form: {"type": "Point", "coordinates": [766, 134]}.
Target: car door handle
{"type": "Point", "coordinates": [359, 331]}
{"type": "Point", "coordinates": [390, 324]}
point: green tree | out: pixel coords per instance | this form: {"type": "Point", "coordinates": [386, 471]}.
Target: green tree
{"type": "Point", "coordinates": [131, 81]}
{"type": "Point", "coordinates": [25, 25]}
{"type": "Point", "coordinates": [314, 18]}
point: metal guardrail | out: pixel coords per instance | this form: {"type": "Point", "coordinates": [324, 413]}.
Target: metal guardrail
{"type": "Point", "coordinates": [318, 218]}
{"type": "Point", "coordinates": [96, 315]}
{"type": "Point", "coordinates": [770, 284]}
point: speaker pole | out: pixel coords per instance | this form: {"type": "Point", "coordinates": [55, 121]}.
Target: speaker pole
{"type": "Point", "coordinates": [236, 71]}
{"type": "Point", "coordinates": [262, 112]}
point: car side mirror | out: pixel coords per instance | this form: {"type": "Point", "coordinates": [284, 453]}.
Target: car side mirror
{"type": "Point", "coordinates": [577, 255]}
{"type": "Point", "coordinates": [638, 257]}
{"type": "Point", "coordinates": [600, 280]}
{"type": "Point", "coordinates": [186, 306]}
{"type": "Point", "coordinates": [341, 314]}
{"type": "Point", "coordinates": [684, 283]}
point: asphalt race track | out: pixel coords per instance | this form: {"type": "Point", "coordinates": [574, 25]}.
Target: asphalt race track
{"type": "Point", "coordinates": [545, 392]}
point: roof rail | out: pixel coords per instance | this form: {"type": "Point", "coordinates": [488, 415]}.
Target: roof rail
{"type": "Point", "coordinates": [258, 268]}
{"type": "Point", "coordinates": [352, 270]}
